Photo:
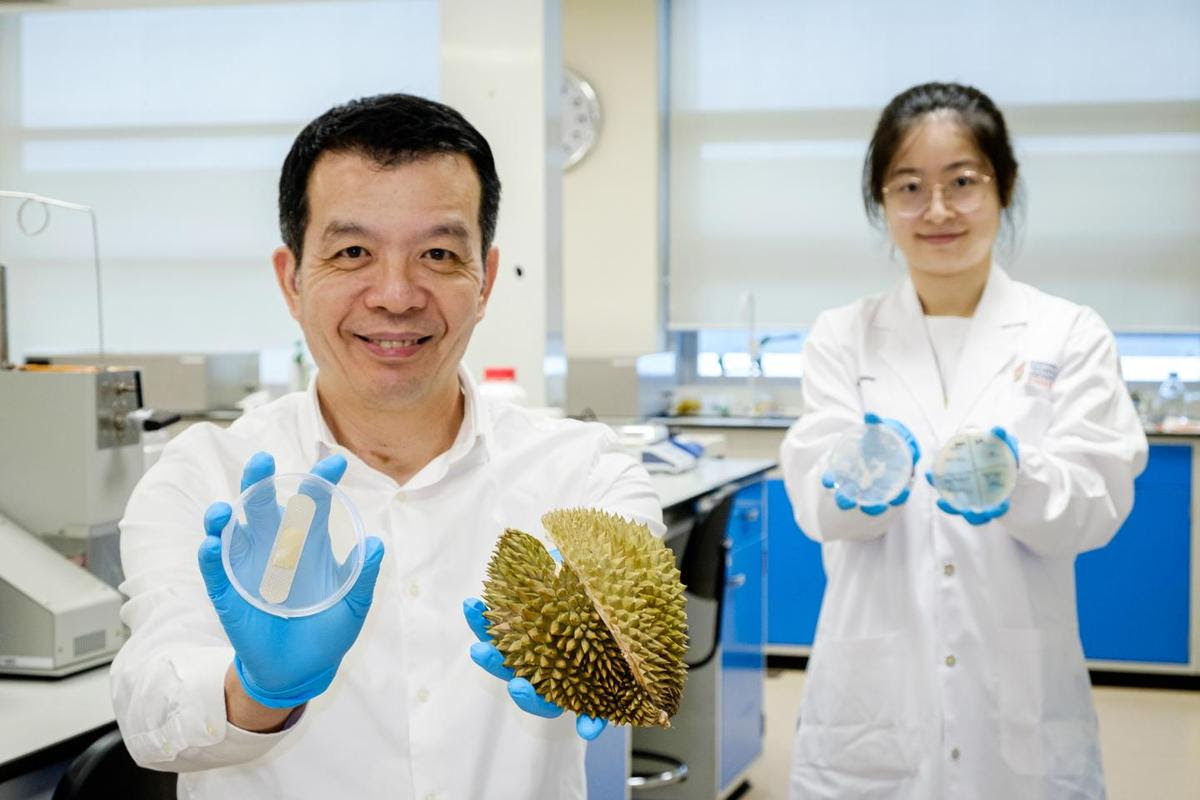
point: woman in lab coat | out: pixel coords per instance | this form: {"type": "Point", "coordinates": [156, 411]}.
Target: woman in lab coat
{"type": "Point", "coordinates": [947, 660]}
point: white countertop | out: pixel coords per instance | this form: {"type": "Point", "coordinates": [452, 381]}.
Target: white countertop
{"type": "Point", "coordinates": [779, 421]}
{"type": "Point", "coordinates": [41, 712]}
{"type": "Point", "coordinates": [709, 474]}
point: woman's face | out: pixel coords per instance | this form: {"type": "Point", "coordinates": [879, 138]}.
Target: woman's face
{"type": "Point", "coordinates": [954, 232]}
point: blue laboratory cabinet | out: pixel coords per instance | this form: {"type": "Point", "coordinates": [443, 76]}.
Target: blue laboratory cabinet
{"type": "Point", "coordinates": [796, 578]}
{"type": "Point", "coordinates": [743, 636]}
{"type": "Point", "coordinates": [1137, 597]}
{"type": "Point", "coordinates": [718, 731]}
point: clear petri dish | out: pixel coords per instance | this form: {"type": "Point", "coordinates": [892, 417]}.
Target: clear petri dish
{"type": "Point", "coordinates": [974, 470]}
{"type": "Point", "coordinates": [871, 464]}
{"type": "Point", "coordinates": [294, 545]}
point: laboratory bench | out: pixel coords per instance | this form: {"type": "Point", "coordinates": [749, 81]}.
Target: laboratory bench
{"type": "Point", "coordinates": [719, 727]}
{"type": "Point", "coordinates": [48, 720]}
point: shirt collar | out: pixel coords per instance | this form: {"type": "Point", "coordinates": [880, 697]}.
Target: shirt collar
{"type": "Point", "coordinates": [476, 427]}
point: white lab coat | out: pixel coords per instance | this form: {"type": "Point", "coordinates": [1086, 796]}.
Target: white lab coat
{"type": "Point", "coordinates": [409, 716]}
{"type": "Point", "coordinates": [947, 660]}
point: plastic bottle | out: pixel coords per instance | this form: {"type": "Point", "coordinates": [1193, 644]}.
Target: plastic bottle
{"type": "Point", "coordinates": [1172, 400]}
{"type": "Point", "coordinates": [500, 383]}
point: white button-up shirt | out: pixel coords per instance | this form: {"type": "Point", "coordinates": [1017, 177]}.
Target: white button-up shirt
{"type": "Point", "coordinates": [409, 715]}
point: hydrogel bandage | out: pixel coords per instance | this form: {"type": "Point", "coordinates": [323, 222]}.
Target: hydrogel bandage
{"type": "Point", "coordinates": [285, 552]}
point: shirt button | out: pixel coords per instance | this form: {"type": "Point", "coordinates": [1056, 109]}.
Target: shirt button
{"type": "Point", "coordinates": [948, 569]}
{"type": "Point", "coordinates": [166, 748]}
{"type": "Point", "coordinates": [401, 497]}
{"type": "Point", "coordinates": [414, 589]}
{"type": "Point", "coordinates": [951, 661]}
{"type": "Point", "coordinates": [209, 728]}
{"type": "Point", "coordinates": [423, 695]}
{"type": "Point", "coordinates": [431, 796]}
{"type": "Point", "coordinates": [955, 754]}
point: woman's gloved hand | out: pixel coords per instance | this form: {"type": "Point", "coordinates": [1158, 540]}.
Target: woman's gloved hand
{"type": "Point", "coordinates": [844, 502]}
{"type": "Point", "coordinates": [987, 514]}
{"type": "Point", "coordinates": [285, 662]}
{"type": "Point", "coordinates": [487, 655]}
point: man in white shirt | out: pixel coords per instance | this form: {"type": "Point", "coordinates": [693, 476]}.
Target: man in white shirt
{"type": "Point", "coordinates": [388, 208]}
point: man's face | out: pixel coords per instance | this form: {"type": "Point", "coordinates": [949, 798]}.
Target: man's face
{"type": "Point", "coordinates": [391, 283]}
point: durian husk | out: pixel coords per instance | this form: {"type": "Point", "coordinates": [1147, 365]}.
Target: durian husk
{"type": "Point", "coordinates": [605, 634]}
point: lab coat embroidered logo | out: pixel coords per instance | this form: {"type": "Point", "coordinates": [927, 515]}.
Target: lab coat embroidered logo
{"type": "Point", "coordinates": [1042, 374]}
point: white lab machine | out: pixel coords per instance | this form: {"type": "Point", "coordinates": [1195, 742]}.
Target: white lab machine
{"type": "Point", "coordinates": [185, 383]}
{"type": "Point", "coordinates": [72, 453]}
{"type": "Point", "coordinates": [72, 458]}
{"type": "Point", "coordinates": [656, 449]}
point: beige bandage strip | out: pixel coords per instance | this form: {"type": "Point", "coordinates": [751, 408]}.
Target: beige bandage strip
{"type": "Point", "coordinates": [285, 552]}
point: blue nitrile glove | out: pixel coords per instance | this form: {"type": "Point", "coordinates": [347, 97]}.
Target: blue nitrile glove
{"type": "Point", "coordinates": [285, 662]}
{"type": "Point", "coordinates": [987, 514]}
{"type": "Point", "coordinates": [845, 503]}
{"type": "Point", "coordinates": [485, 654]}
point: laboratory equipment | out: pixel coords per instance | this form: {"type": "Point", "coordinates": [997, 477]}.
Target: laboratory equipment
{"type": "Point", "coordinates": [186, 383]}
{"type": "Point", "coordinates": [870, 465]}
{"type": "Point", "coordinates": [73, 456]}
{"type": "Point", "coordinates": [620, 389]}
{"type": "Point", "coordinates": [55, 617]}
{"type": "Point", "coordinates": [1172, 401]}
{"type": "Point", "coordinates": [500, 383]}
{"type": "Point", "coordinates": [294, 545]}
{"type": "Point", "coordinates": [658, 451]}
{"type": "Point", "coordinates": [975, 470]}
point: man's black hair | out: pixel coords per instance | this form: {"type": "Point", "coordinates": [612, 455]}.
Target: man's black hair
{"type": "Point", "coordinates": [389, 129]}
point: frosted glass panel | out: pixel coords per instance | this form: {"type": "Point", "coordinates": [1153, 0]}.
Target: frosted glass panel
{"type": "Point", "coordinates": [173, 124]}
{"type": "Point", "coordinates": [771, 54]}
{"type": "Point", "coordinates": [252, 64]}
{"type": "Point", "coordinates": [772, 104]}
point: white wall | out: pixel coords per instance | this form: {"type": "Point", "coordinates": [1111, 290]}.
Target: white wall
{"type": "Point", "coordinates": [611, 201]}
{"type": "Point", "coordinates": [500, 68]}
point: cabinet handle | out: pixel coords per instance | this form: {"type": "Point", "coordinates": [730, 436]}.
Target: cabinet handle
{"type": "Point", "coordinates": [736, 581]}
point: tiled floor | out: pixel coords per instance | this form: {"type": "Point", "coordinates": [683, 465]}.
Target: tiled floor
{"type": "Point", "coordinates": [1150, 740]}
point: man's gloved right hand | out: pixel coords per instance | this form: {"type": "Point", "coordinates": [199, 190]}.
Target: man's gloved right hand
{"type": "Point", "coordinates": [285, 662]}
{"type": "Point", "coordinates": [844, 502]}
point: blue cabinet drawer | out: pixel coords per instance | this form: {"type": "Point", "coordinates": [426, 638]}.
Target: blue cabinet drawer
{"type": "Point", "coordinates": [795, 574]}
{"type": "Point", "coordinates": [747, 516]}
{"type": "Point", "coordinates": [742, 661]}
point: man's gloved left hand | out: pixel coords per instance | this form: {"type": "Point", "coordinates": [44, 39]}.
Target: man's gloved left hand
{"type": "Point", "coordinates": [987, 514]}
{"type": "Point", "coordinates": [485, 654]}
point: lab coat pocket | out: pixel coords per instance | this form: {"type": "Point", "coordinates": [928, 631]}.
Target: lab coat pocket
{"type": "Point", "coordinates": [857, 714]}
{"type": "Point", "coordinates": [1032, 413]}
{"type": "Point", "coordinates": [1047, 722]}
